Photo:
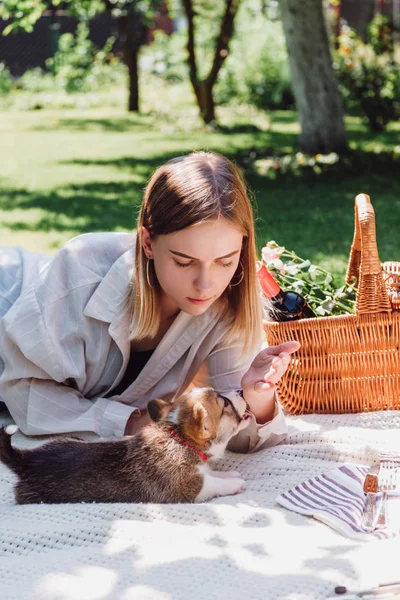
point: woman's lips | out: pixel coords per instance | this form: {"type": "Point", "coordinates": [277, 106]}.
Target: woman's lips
{"type": "Point", "coordinates": [196, 301]}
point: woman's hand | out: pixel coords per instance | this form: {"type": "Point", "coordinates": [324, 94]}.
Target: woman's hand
{"type": "Point", "coordinates": [259, 382]}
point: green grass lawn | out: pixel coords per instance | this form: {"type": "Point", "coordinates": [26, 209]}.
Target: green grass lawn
{"type": "Point", "coordinates": [68, 171]}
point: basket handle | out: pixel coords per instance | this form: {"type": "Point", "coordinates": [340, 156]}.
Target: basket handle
{"type": "Point", "coordinates": [364, 263]}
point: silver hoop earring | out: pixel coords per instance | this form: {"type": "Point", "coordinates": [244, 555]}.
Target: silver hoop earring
{"type": "Point", "coordinates": [241, 277]}
{"type": "Point", "coordinates": [148, 274]}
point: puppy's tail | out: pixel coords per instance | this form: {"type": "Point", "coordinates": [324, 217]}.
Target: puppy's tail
{"type": "Point", "coordinates": [12, 457]}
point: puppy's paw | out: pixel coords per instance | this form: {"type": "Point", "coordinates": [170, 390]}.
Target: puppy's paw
{"type": "Point", "coordinates": [236, 486]}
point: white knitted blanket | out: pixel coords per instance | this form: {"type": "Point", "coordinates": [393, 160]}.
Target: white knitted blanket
{"type": "Point", "coordinates": [244, 547]}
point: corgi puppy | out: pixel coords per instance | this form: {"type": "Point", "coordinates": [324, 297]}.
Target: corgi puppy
{"type": "Point", "coordinates": [166, 461]}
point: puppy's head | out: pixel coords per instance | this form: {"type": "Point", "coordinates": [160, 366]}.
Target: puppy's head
{"type": "Point", "coordinates": [203, 416]}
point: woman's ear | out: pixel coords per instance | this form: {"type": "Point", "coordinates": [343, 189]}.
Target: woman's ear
{"type": "Point", "coordinates": [158, 409]}
{"type": "Point", "coordinates": [146, 242]}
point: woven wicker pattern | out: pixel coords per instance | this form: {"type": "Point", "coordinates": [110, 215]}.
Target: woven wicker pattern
{"type": "Point", "coordinates": [391, 276]}
{"type": "Point", "coordinates": [349, 363]}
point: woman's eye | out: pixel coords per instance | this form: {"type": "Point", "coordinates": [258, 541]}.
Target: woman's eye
{"type": "Point", "coordinates": [179, 264]}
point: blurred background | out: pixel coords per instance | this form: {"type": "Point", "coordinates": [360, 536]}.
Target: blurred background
{"type": "Point", "coordinates": [303, 95]}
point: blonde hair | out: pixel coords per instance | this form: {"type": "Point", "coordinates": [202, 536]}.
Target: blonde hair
{"type": "Point", "coordinates": [185, 191]}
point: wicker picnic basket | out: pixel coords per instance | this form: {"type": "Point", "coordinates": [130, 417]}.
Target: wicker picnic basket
{"type": "Point", "coordinates": [348, 363]}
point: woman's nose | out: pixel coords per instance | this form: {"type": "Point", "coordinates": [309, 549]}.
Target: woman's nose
{"type": "Point", "coordinates": [203, 280]}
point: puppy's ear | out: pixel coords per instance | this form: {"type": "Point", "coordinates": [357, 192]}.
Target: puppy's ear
{"type": "Point", "coordinates": [158, 409]}
{"type": "Point", "coordinates": [199, 419]}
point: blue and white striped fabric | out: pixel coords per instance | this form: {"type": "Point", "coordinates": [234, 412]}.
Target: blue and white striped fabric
{"type": "Point", "coordinates": [337, 499]}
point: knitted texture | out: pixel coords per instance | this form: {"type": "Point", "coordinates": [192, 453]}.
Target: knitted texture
{"type": "Point", "coordinates": [240, 547]}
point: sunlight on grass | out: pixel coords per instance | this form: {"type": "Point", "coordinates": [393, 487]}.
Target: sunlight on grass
{"type": "Point", "coordinates": [73, 170]}
{"type": "Point", "coordinates": [335, 263]}
{"type": "Point", "coordinates": [35, 240]}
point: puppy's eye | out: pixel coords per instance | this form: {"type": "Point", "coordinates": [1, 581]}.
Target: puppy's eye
{"type": "Point", "coordinates": [226, 402]}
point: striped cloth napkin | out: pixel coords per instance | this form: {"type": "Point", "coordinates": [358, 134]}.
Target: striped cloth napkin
{"type": "Point", "coordinates": [337, 499]}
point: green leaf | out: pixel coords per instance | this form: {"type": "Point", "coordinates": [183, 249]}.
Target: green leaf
{"type": "Point", "coordinates": [8, 29]}
{"type": "Point", "coordinates": [315, 284]}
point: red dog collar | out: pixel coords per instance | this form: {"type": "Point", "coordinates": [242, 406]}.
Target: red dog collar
{"type": "Point", "coordinates": [183, 442]}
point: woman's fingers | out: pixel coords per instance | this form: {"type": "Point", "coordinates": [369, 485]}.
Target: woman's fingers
{"type": "Point", "coordinates": [289, 347]}
{"type": "Point", "coordinates": [285, 347]}
{"type": "Point", "coordinates": [264, 357]}
{"type": "Point", "coordinates": [271, 364]}
{"type": "Point", "coordinates": [277, 368]}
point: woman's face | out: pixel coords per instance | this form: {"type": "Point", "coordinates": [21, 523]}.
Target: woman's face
{"type": "Point", "coordinates": [195, 265]}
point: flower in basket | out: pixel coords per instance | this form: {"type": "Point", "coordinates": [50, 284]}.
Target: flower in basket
{"type": "Point", "coordinates": [314, 283]}
{"type": "Point", "coordinates": [271, 254]}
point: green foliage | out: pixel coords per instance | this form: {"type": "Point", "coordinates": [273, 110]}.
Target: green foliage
{"type": "Point", "coordinates": [314, 283]}
{"type": "Point", "coordinates": [380, 34]}
{"type": "Point", "coordinates": [24, 13]}
{"type": "Point", "coordinates": [78, 66]}
{"type": "Point", "coordinates": [146, 8]}
{"type": "Point", "coordinates": [5, 80]}
{"type": "Point", "coordinates": [72, 62]}
{"type": "Point", "coordinates": [369, 75]}
{"type": "Point", "coordinates": [169, 53]}
{"type": "Point", "coordinates": [37, 81]}
{"type": "Point", "coordinates": [256, 71]}
{"type": "Point", "coordinates": [166, 57]}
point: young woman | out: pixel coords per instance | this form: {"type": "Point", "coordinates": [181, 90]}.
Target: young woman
{"type": "Point", "coordinates": [116, 319]}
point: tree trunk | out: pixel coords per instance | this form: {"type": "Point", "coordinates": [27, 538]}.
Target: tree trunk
{"type": "Point", "coordinates": [203, 89]}
{"type": "Point", "coordinates": [205, 100]}
{"type": "Point", "coordinates": [132, 64]}
{"type": "Point", "coordinates": [314, 82]}
{"type": "Point", "coordinates": [132, 33]}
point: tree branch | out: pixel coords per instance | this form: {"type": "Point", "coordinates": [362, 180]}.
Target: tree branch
{"type": "Point", "coordinates": [225, 35]}
{"type": "Point", "coordinates": [188, 6]}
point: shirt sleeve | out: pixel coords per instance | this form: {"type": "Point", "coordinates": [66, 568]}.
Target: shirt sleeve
{"type": "Point", "coordinates": [225, 368]}
{"type": "Point", "coordinates": [41, 407]}
{"type": "Point", "coordinates": [257, 437]}
{"type": "Point", "coordinates": [43, 345]}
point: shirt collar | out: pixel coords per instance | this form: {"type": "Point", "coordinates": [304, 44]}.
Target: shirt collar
{"type": "Point", "coordinates": [109, 301]}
